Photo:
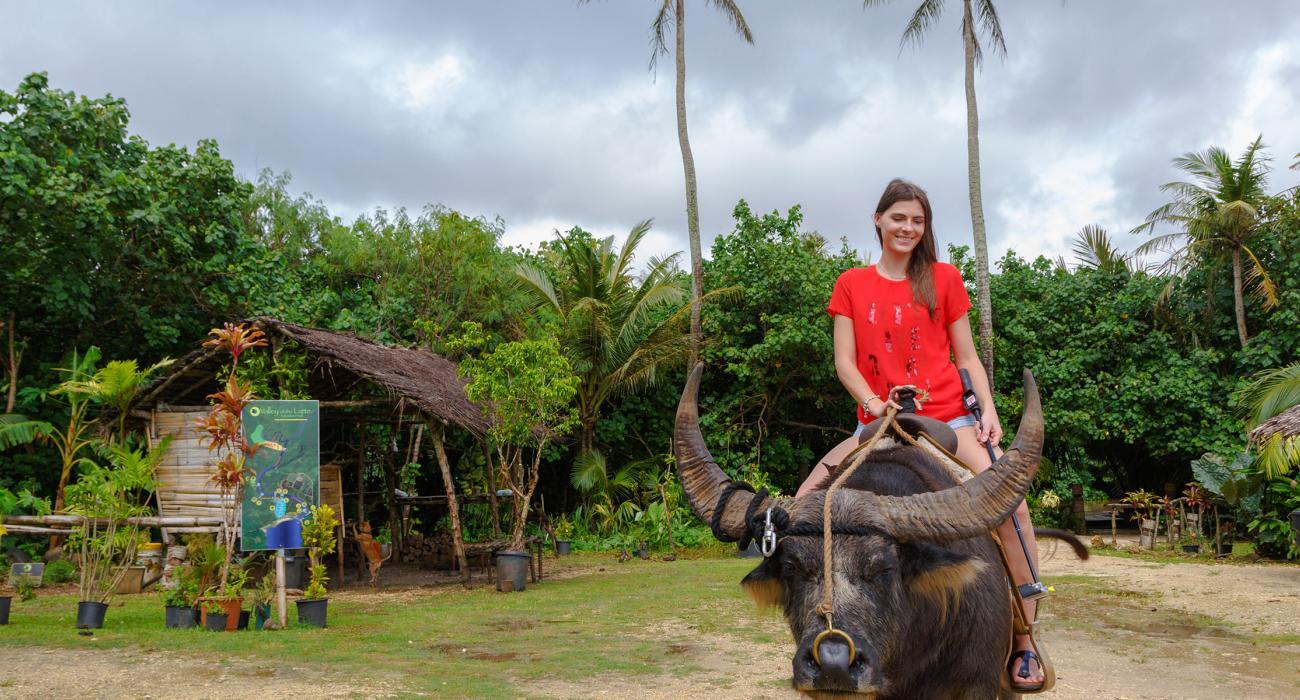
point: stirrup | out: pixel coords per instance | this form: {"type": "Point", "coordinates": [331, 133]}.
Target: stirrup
{"type": "Point", "coordinates": [1044, 664]}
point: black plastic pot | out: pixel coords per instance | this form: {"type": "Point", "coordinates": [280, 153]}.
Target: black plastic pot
{"type": "Point", "coordinates": [243, 620]}
{"type": "Point", "coordinates": [1192, 548]}
{"type": "Point", "coordinates": [313, 612]}
{"type": "Point", "coordinates": [1225, 548]}
{"type": "Point", "coordinates": [643, 551]}
{"type": "Point", "coordinates": [196, 614]}
{"type": "Point", "coordinates": [512, 566]}
{"type": "Point", "coordinates": [563, 546]}
{"type": "Point", "coordinates": [180, 617]}
{"type": "Point", "coordinates": [295, 570]}
{"type": "Point", "coordinates": [5, 601]}
{"type": "Point", "coordinates": [216, 622]}
{"type": "Point", "coordinates": [90, 615]}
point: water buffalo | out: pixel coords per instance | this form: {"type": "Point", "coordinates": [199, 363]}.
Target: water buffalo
{"type": "Point", "coordinates": [918, 585]}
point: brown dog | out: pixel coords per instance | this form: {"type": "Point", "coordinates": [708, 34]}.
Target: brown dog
{"type": "Point", "coordinates": [371, 549]}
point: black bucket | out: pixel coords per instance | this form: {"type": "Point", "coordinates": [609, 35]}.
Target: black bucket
{"type": "Point", "coordinates": [243, 620]}
{"type": "Point", "coordinates": [180, 617]}
{"type": "Point", "coordinates": [563, 546]}
{"type": "Point", "coordinates": [216, 622]}
{"type": "Point", "coordinates": [5, 601]}
{"type": "Point", "coordinates": [512, 566]}
{"type": "Point", "coordinates": [90, 615]}
{"type": "Point", "coordinates": [313, 612]}
{"type": "Point", "coordinates": [295, 569]}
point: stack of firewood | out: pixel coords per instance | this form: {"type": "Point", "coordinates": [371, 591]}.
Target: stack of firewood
{"type": "Point", "coordinates": [433, 551]}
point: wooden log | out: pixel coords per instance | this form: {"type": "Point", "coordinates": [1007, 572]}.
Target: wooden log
{"type": "Point", "coordinates": [453, 508]}
{"type": "Point", "coordinates": [34, 530]}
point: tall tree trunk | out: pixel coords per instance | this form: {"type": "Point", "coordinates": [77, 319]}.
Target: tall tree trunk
{"type": "Point", "coordinates": [692, 199]}
{"type": "Point", "coordinates": [11, 399]}
{"type": "Point", "coordinates": [453, 508]}
{"type": "Point", "coordinates": [1238, 303]}
{"type": "Point", "coordinates": [976, 199]}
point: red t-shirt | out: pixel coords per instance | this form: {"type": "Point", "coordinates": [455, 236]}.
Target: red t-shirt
{"type": "Point", "coordinates": [897, 341]}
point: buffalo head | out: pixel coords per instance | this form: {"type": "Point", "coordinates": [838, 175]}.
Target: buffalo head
{"type": "Point", "coordinates": [916, 545]}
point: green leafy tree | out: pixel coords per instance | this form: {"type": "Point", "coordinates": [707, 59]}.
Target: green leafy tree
{"type": "Point", "coordinates": [527, 390]}
{"type": "Point", "coordinates": [672, 18]}
{"type": "Point", "coordinates": [1218, 217]}
{"type": "Point", "coordinates": [108, 240]}
{"type": "Point", "coordinates": [985, 14]}
{"type": "Point", "coordinates": [612, 325]}
{"type": "Point", "coordinates": [776, 402]}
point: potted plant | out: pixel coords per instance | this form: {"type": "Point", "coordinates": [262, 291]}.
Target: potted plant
{"type": "Point", "coordinates": [109, 500]}
{"type": "Point", "coordinates": [1143, 504]}
{"type": "Point", "coordinates": [563, 536]}
{"type": "Point", "coordinates": [527, 390]}
{"type": "Point", "coordinates": [261, 598]}
{"type": "Point", "coordinates": [319, 537]}
{"type": "Point", "coordinates": [1199, 500]}
{"type": "Point", "coordinates": [215, 617]}
{"type": "Point", "coordinates": [179, 599]}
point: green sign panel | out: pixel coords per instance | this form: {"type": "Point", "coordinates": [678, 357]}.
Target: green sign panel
{"type": "Point", "coordinates": [285, 479]}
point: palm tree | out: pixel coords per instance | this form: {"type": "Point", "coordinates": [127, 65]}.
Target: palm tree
{"type": "Point", "coordinates": [1094, 249]}
{"type": "Point", "coordinates": [1218, 215]}
{"type": "Point", "coordinates": [672, 16]}
{"type": "Point", "coordinates": [925, 17]}
{"type": "Point", "coordinates": [608, 316]}
{"type": "Point", "coordinates": [1269, 395]}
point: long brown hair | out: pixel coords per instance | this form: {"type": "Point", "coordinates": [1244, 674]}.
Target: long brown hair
{"type": "Point", "coordinates": [920, 265]}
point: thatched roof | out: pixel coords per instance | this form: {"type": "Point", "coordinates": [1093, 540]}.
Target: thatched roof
{"type": "Point", "coordinates": [1287, 423]}
{"type": "Point", "coordinates": [343, 361]}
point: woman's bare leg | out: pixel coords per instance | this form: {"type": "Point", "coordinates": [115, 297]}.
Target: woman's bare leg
{"type": "Point", "coordinates": [832, 458]}
{"type": "Point", "coordinates": [970, 451]}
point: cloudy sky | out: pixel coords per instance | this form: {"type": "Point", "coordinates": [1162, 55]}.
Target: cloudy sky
{"type": "Point", "coordinates": [544, 112]}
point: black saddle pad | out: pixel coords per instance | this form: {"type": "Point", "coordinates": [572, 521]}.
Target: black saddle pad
{"type": "Point", "coordinates": [939, 431]}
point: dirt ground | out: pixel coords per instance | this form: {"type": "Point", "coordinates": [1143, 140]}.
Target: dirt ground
{"type": "Point", "coordinates": [1117, 628]}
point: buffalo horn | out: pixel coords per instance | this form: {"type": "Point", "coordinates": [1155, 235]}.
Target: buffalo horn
{"type": "Point", "coordinates": [702, 480]}
{"type": "Point", "coordinates": [969, 509]}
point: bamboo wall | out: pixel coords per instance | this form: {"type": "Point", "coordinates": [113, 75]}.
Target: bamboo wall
{"type": "Point", "coordinates": [183, 485]}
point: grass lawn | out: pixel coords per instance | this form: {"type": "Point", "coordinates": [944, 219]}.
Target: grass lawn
{"type": "Point", "coordinates": [626, 618]}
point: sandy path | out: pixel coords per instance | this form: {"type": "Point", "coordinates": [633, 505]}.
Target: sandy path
{"type": "Point", "coordinates": [1118, 628]}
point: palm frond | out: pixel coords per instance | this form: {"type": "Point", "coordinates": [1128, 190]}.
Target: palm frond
{"type": "Point", "coordinates": [588, 473]}
{"type": "Point", "coordinates": [539, 285]}
{"type": "Point", "coordinates": [992, 25]}
{"type": "Point", "coordinates": [925, 17]}
{"type": "Point", "coordinates": [16, 429]}
{"type": "Point", "coordinates": [1094, 249]}
{"type": "Point", "coordinates": [1278, 454]}
{"type": "Point", "coordinates": [732, 12]}
{"type": "Point", "coordinates": [1269, 394]}
{"type": "Point", "coordinates": [665, 21]}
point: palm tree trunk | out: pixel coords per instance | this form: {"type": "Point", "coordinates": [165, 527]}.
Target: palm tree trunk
{"type": "Point", "coordinates": [1238, 303]}
{"type": "Point", "coordinates": [692, 203]}
{"type": "Point", "coordinates": [985, 299]}
{"type": "Point", "coordinates": [12, 365]}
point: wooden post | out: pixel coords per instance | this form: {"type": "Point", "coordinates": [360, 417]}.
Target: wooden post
{"type": "Point", "coordinates": [390, 495]}
{"type": "Point", "coordinates": [361, 474]}
{"type": "Point", "coordinates": [668, 518]}
{"type": "Point", "coordinates": [457, 538]}
{"type": "Point", "coordinates": [281, 599]}
{"type": "Point", "coordinates": [492, 491]}
{"type": "Point", "coordinates": [1080, 511]}
{"type": "Point", "coordinates": [1114, 533]}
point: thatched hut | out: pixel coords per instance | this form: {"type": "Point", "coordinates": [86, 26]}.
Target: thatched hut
{"type": "Point", "coordinates": [355, 381]}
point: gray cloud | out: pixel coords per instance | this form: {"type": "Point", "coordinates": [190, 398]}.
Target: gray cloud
{"type": "Point", "coordinates": [545, 114]}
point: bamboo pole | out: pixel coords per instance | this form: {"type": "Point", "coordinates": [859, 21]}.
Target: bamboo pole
{"type": "Point", "coordinates": [34, 530]}
{"type": "Point", "coordinates": [146, 521]}
{"type": "Point", "coordinates": [457, 538]}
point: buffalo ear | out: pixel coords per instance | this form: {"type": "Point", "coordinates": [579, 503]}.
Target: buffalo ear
{"type": "Point", "coordinates": [763, 584]}
{"type": "Point", "coordinates": [937, 574]}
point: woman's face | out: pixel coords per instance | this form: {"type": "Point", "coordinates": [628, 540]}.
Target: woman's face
{"type": "Point", "coordinates": [901, 226]}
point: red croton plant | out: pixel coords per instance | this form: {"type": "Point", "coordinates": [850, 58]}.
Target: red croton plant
{"type": "Point", "coordinates": [223, 426]}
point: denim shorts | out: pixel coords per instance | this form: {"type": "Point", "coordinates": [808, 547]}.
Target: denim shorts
{"type": "Point", "coordinates": [963, 421]}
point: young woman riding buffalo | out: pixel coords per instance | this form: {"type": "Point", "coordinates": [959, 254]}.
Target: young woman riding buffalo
{"type": "Point", "coordinates": [902, 324]}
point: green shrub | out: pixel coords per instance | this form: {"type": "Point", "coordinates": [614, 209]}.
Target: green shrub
{"type": "Point", "coordinates": [59, 571]}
